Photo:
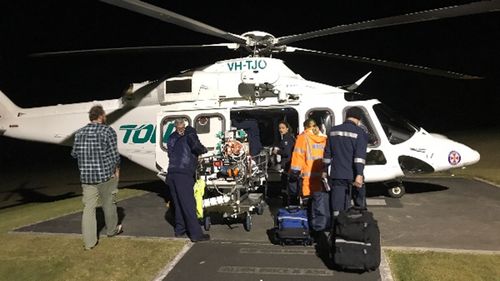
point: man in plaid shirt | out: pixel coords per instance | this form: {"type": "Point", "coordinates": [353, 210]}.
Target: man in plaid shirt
{"type": "Point", "coordinates": [95, 147]}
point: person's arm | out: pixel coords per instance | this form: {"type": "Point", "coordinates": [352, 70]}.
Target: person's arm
{"type": "Point", "coordinates": [170, 143]}
{"type": "Point", "coordinates": [76, 147]}
{"type": "Point", "coordinates": [327, 158]}
{"type": "Point", "coordinates": [360, 159]}
{"type": "Point", "coordinates": [298, 157]}
{"type": "Point", "coordinates": [113, 149]}
{"type": "Point", "coordinates": [195, 145]}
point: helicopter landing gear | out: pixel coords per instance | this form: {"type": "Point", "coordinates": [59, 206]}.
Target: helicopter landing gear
{"type": "Point", "coordinates": [396, 189]}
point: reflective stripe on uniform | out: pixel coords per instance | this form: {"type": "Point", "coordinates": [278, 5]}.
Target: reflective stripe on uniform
{"type": "Point", "coordinates": [295, 168]}
{"type": "Point", "coordinates": [298, 150]}
{"type": "Point", "coordinates": [313, 157]}
{"type": "Point", "coordinates": [318, 146]}
{"type": "Point", "coordinates": [344, 134]}
{"type": "Point", "coordinates": [359, 160]}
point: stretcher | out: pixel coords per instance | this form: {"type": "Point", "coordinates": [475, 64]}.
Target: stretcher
{"type": "Point", "coordinates": [235, 182]}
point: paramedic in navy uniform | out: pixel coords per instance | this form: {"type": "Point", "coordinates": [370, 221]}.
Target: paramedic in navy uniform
{"type": "Point", "coordinates": [285, 150]}
{"type": "Point", "coordinates": [184, 147]}
{"type": "Point", "coordinates": [345, 156]}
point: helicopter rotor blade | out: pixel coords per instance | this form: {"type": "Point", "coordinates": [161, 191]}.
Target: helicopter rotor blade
{"type": "Point", "coordinates": [385, 63]}
{"type": "Point", "coordinates": [174, 18]}
{"type": "Point", "coordinates": [423, 16]}
{"type": "Point", "coordinates": [141, 49]}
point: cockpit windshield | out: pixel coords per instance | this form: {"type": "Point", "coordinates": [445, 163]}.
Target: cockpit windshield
{"type": "Point", "coordinates": [397, 128]}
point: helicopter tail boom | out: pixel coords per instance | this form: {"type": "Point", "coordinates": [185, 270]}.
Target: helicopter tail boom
{"type": "Point", "coordinates": [8, 110]}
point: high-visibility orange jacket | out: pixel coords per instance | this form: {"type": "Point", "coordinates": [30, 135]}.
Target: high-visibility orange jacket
{"type": "Point", "coordinates": [307, 158]}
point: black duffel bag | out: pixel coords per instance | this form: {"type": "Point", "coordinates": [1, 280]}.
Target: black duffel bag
{"type": "Point", "coordinates": [356, 240]}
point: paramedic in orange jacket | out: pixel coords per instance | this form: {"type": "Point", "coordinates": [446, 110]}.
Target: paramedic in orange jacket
{"type": "Point", "coordinates": [307, 161]}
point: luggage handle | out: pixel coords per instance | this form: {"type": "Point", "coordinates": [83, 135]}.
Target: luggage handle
{"type": "Point", "coordinates": [349, 198]}
{"type": "Point", "coordinates": [293, 208]}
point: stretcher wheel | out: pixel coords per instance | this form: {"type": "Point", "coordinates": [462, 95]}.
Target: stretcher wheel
{"type": "Point", "coordinates": [260, 209]}
{"type": "Point", "coordinates": [206, 223]}
{"type": "Point", "coordinates": [247, 224]}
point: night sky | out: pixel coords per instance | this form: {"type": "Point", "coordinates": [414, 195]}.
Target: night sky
{"type": "Point", "coordinates": [467, 44]}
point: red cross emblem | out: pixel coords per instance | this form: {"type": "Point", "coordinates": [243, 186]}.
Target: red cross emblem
{"type": "Point", "coordinates": [454, 158]}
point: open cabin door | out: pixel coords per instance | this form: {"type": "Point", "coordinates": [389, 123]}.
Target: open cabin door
{"type": "Point", "coordinates": [207, 123]}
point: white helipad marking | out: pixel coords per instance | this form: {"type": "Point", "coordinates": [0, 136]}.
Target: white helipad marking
{"type": "Point", "coordinates": [441, 250]}
{"type": "Point", "coordinates": [164, 272]}
{"type": "Point", "coordinates": [486, 181]}
{"type": "Point", "coordinates": [276, 270]}
{"type": "Point", "coordinates": [384, 268]}
{"type": "Point", "coordinates": [278, 251]}
{"type": "Point", "coordinates": [376, 202]}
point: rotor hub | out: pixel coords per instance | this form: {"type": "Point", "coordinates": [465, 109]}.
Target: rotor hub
{"type": "Point", "coordinates": [260, 43]}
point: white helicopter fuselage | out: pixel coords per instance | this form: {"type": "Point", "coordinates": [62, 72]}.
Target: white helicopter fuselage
{"type": "Point", "coordinates": [261, 88]}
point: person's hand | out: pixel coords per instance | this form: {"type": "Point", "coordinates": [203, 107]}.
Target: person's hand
{"type": "Point", "coordinates": [275, 150]}
{"type": "Point", "coordinates": [117, 173]}
{"type": "Point", "coordinates": [324, 175]}
{"type": "Point", "coordinates": [358, 182]}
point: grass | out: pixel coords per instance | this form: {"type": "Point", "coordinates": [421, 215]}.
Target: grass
{"type": "Point", "coordinates": [434, 266]}
{"type": "Point", "coordinates": [61, 257]}
{"type": "Point", "coordinates": [487, 143]}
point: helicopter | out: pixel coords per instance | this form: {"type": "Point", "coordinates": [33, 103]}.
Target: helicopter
{"type": "Point", "coordinates": [256, 86]}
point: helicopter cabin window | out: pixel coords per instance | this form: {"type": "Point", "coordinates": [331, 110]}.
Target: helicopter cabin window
{"type": "Point", "coordinates": [178, 85]}
{"type": "Point", "coordinates": [167, 127]}
{"type": "Point", "coordinates": [267, 121]}
{"type": "Point", "coordinates": [207, 126]}
{"type": "Point", "coordinates": [375, 157]}
{"type": "Point", "coordinates": [323, 117]}
{"type": "Point", "coordinates": [396, 128]}
{"type": "Point", "coordinates": [367, 125]}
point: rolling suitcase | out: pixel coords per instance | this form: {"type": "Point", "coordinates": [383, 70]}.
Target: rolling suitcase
{"type": "Point", "coordinates": [292, 226]}
{"type": "Point", "coordinates": [356, 240]}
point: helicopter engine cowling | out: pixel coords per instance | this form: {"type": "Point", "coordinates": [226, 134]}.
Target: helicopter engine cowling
{"type": "Point", "coordinates": [256, 91]}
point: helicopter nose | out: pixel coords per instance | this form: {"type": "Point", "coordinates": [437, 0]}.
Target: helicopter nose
{"type": "Point", "coordinates": [471, 156]}
{"type": "Point", "coordinates": [452, 154]}
{"type": "Point", "coordinates": [462, 155]}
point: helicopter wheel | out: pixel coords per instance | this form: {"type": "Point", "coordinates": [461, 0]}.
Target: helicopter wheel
{"type": "Point", "coordinates": [397, 191]}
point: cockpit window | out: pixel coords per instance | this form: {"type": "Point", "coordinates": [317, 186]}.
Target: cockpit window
{"type": "Point", "coordinates": [396, 127]}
